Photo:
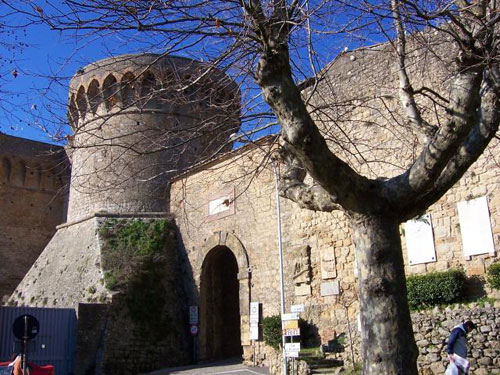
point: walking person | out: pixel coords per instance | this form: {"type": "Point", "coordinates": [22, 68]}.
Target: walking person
{"type": "Point", "coordinates": [457, 349]}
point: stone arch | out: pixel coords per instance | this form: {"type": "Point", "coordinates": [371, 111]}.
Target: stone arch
{"type": "Point", "coordinates": [234, 244]}
{"type": "Point", "coordinates": [81, 102]}
{"type": "Point", "coordinates": [148, 87]}
{"type": "Point", "coordinates": [18, 175]}
{"type": "Point", "coordinates": [127, 89]}
{"type": "Point", "coordinates": [223, 246]}
{"type": "Point", "coordinates": [94, 96]}
{"type": "Point", "coordinates": [5, 171]}
{"type": "Point", "coordinates": [110, 91]}
{"type": "Point", "coordinates": [73, 111]}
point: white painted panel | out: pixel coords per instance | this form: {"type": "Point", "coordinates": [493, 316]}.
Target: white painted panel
{"type": "Point", "coordinates": [475, 226]}
{"type": "Point", "coordinates": [219, 205]}
{"type": "Point", "coordinates": [420, 240]}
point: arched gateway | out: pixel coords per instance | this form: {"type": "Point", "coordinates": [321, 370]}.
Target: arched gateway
{"type": "Point", "coordinates": [224, 297]}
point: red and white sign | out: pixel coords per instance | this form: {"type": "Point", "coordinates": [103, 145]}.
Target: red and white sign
{"type": "Point", "coordinates": [193, 329]}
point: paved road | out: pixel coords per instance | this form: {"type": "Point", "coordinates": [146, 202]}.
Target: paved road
{"type": "Point", "coordinates": [228, 367]}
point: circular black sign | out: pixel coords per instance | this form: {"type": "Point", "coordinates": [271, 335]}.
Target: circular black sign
{"type": "Point", "coordinates": [25, 327]}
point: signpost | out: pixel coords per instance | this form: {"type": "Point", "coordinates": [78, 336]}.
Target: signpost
{"type": "Point", "coordinates": [193, 327]}
{"type": "Point", "coordinates": [254, 325]}
{"type": "Point", "coordinates": [25, 328]}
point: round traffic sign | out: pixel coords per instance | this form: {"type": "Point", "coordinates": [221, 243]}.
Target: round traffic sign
{"type": "Point", "coordinates": [25, 327]}
{"type": "Point", "coordinates": [193, 329]}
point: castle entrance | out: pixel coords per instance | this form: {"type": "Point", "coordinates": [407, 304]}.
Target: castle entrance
{"type": "Point", "coordinates": [220, 333]}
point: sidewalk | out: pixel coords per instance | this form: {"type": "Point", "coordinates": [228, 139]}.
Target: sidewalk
{"type": "Point", "coordinates": [229, 367]}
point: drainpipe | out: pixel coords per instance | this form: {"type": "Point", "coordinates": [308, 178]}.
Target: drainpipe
{"type": "Point", "coordinates": [280, 251]}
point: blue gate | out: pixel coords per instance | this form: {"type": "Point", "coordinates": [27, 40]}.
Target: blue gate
{"type": "Point", "coordinates": [54, 344]}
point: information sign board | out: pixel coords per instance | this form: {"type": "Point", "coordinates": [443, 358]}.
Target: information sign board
{"type": "Point", "coordinates": [290, 324]}
{"type": "Point", "coordinates": [291, 332]}
{"type": "Point", "coordinates": [254, 331]}
{"type": "Point", "coordinates": [254, 312]}
{"type": "Point", "coordinates": [297, 308]}
{"type": "Point", "coordinates": [290, 316]}
{"type": "Point", "coordinates": [292, 347]}
{"type": "Point", "coordinates": [193, 315]}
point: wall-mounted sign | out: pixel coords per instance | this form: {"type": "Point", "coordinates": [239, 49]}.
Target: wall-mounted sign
{"type": "Point", "coordinates": [420, 240]}
{"type": "Point", "coordinates": [475, 226]}
{"type": "Point", "coordinates": [221, 204]}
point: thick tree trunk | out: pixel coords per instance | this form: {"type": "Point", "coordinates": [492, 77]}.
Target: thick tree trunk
{"type": "Point", "coordinates": [388, 345]}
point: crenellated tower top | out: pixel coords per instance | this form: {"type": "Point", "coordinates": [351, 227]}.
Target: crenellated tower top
{"type": "Point", "coordinates": [139, 119]}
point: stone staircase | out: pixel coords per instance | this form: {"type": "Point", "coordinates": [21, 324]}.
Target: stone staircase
{"type": "Point", "coordinates": [321, 365]}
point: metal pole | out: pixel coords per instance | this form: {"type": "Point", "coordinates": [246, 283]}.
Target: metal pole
{"type": "Point", "coordinates": [25, 345]}
{"type": "Point", "coordinates": [280, 249]}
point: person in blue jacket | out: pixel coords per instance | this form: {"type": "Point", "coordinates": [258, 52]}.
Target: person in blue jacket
{"type": "Point", "coordinates": [457, 345]}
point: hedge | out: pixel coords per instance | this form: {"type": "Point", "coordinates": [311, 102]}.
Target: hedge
{"type": "Point", "coordinates": [435, 288]}
{"type": "Point", "coordinates": [271, 331]}
{"type": "Point", "coordinates": [494, 275]}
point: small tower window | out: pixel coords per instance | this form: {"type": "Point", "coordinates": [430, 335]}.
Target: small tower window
{"type": "Point", "coordinates": [128, 90]}
{"type": "Point", "coordinates": [110, 91]}
{"type": "Point", "coordinates": [81, 102]}
{"type": "Point", "coordinates": [94, 96]}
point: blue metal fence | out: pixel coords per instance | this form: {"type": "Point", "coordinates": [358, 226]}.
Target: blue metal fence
{"type": "Point", "coordinates": [54, 344]}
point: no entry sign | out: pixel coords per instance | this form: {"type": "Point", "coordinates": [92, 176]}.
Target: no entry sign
{"type": "Point", "coordinates": [25, 327]}
{"type": "Point", "coordinates": [193, 329]}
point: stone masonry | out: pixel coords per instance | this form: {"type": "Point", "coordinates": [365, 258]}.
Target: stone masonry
{"type": "Point", "coordinates": [225, 208]}
{"type": "Point", "coordinates": [32, 200]}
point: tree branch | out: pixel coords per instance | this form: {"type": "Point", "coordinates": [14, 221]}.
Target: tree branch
{"type": "Point", "coordinates": [406, 92]}
{"type": "Point", "coordinates": [292, 186]}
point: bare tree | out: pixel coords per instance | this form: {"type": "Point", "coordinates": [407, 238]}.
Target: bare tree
{"type": "Point", "coordinates": [283, 46]}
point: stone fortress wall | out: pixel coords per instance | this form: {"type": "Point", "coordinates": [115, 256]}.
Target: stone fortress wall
{"type": "Point", "coordinates": [228, 205]}
{"type": "Point", "coordinates": [33, 200]}
{"type": "Point", "coordinates": [368, 130]}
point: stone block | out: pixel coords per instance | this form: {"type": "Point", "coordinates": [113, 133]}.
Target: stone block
{"type": "Point", "coordinates": [437, 367]}
{"type": "Point", "coordinates": [331, 288]}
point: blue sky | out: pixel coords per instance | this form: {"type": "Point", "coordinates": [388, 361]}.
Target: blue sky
{"type": "Point", "coordinates": [34, 103]}
{"type": "Point", "coordinates": [32, 99]}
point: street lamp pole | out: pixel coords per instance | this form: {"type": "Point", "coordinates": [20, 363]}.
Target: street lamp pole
{"type": "Point", "coordinates": [280, 250]}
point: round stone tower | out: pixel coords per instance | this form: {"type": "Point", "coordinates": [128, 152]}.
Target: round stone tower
{"type": "Point", "coordinates": [139, 119]}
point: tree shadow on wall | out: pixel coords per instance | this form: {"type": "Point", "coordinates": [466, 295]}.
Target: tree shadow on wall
{"type": "Point", "coordinates": [474, 288]}
{"type": "Point", "coordinates": [309, 335]}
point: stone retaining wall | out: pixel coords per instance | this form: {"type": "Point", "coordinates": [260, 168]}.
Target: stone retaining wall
{"type": "Point", "coordinates": [433, 327]}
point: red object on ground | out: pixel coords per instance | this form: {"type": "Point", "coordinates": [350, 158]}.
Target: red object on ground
{"type": "Point", "coordinates": [36, 370]}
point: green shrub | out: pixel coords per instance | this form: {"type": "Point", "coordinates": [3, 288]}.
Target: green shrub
{"type": "Point", "coordinates": [271, 331]}
{"type": "Point", "coordinates": [435, 288]}
{"type": "Point", "coordinates": [494, 275]}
